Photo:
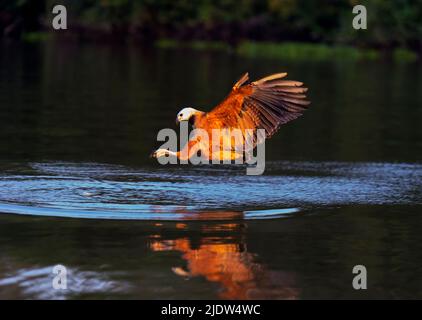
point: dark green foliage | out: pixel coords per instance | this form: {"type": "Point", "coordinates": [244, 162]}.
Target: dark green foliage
{"type": "Point", "coordinates": [391, 24]}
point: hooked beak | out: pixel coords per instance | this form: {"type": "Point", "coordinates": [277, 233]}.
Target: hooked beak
{"type": "Point", "coordinates": [153, 154]}
{"type": "Point", "coordinates": [178, 121]}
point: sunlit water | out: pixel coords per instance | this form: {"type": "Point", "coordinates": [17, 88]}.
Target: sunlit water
{"type": "Point", "coordinates": [203, 193]}
{"type": "Point", "coordinates": [342, 185]}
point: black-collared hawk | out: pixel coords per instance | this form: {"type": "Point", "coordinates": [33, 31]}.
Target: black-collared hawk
{"type": "Point", "coordinates": [264, 104]}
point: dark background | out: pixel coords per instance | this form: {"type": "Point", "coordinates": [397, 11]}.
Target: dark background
{"type": "Point", "coordinates": [391, 24]}
{"type": "Point", "coordinates": [80, 110]}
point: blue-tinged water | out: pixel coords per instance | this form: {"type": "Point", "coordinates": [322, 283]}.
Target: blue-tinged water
{"type": "Point", "coordinates": [99, 191]}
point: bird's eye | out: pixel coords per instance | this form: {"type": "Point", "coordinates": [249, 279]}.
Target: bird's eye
{"type": "Point", "coordinates": [181, 114]}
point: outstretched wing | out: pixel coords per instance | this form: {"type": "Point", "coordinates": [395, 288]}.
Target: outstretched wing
{"type": "Point", "coordinates": [266, 104]}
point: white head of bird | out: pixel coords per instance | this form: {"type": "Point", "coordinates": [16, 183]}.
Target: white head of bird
{"type": "Point", "coordinates": [186, 114]}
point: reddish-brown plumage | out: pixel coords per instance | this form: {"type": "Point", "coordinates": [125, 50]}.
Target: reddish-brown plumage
{"type": "Point", "coordinates": [265, 104]}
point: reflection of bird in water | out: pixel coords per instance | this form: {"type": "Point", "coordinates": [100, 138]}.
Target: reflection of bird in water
{"type": "Point", "coordinates": [231, 266]}
{"type": "Point", "coordinates": [265, 104]}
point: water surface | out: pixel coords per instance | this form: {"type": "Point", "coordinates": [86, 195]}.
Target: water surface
{"type": "Point", "coordinates": [342, 186]}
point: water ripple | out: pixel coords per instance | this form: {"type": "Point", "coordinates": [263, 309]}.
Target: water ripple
{"type": "Point", "coordinates": [91, 190]}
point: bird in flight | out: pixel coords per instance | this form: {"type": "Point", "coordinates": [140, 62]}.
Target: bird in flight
{"type": "Point", "coordinates": [264, 104]}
